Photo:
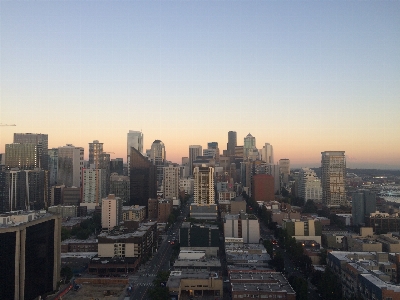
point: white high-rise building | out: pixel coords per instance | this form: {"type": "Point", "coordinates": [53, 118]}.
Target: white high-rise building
{"type": "Point", "coordinates": [309, 187]}
{"type": "Point", "coordinates": [171, 182]}
{"type": "Point", "coordinates": [333, 175]}
{"type": "Point", "coordinates": [135, 140]}
{"type": "Point", "coordinates": [204, 193]}
{"type": "Point", "coordinates": [194, 151]}
{"type": "Point", "coordinates": [93, 187]}
{"type": "Point", "coordinates": [267, 154]}
{"type": "Point", "coordinates": [70, 165]}
{"type": "Point", "coordinates": [111, 212]}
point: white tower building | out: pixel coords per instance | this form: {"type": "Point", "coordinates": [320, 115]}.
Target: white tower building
{"type": "Point", "coordinates": [309, 187]}
{"type": "Point", "coordinates": [111, 212]}
{"type": "Point", "coordinates": [171, 182]}
{"type": "Point", "coordinates": [267, 154]}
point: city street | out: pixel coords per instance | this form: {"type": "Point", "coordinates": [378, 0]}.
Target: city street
{"type": "Point", "coordinates": [143, 279]}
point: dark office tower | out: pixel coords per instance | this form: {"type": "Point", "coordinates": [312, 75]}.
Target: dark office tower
{"type": "Point", "coordinates": [232, 143]}
{"type": "Point", "coordinates": [157, 157]}
{"type": "Point", "coordinates": [363, 203]}
{"type": "Point", "coordinates": [3, 191]}
{"type": "Point", "coordinates": [29, 255]}
{"type": "Point", "coordinates": [38, 189]}
{"type": "Point", "coordinates": [53, 165]}
{"type": "Point", "coordinates": [194, 151]}
{"type": "Point", "coordinates": [42, 143]}
{"type": "Point", "coordinates": [22, 156]}
{"type": "Point", "coordinates": [16, 197]}
{"type": "Point", "coordinates": [117, 166]}
{"type": "Point", "coordinates": [143, 178]}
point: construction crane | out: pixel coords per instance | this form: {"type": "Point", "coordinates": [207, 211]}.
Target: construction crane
{"type": "Point", "coordinates": [8, 125]}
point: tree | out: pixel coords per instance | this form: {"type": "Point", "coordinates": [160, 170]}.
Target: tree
{"type": "Point", "coordinates": [300, 286]}
{"type": "Point", "coordinates": [310, 207]}
{"type": "Point", "coordinates": [322, 257]}
{"type": "Point", "coordinates": [171, 219]}
{"type": "Point", "coordinates": [269, 247]}
{"type": "Point", "coordinates": [65, 233]}
{"type": "Point", "coordinates": [329, 286]}
{"type": "Point", "coordinates": [278, 262]}
{"type": "Point", "coordinates": [66, 273]}
{"type": "Point", "coordinates": [159, 289]}
{"type": "Point", "coordinates": [284, 192]}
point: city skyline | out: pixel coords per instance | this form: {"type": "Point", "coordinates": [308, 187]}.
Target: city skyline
{"type": "Point", "coordinates": [305, 77]}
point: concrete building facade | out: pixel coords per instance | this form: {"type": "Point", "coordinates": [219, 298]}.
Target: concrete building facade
{"type": "Point", "coordinates": [70, 165]}
{"type": "Point", "coordinates": [204, 193]}
{"type": "Point", "coordinates": [309, 186]}
{"type": "Point", "coordinates": [31, 242]}
{"type": "Point", "coordinates": [333, 175]}
{"type": "Point", "coordinates": [111, 212]}
{"type": "Point", "coordinates": [171, 182]}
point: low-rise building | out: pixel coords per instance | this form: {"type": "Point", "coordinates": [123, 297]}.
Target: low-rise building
{"type": "Point", "coordinates": [247, 255]}
{"type": "Point", "coordinates": [64, 210]}
{"type": "Point", "coordinates": [303, 229]}
{"type": "Point", "coordinates": [365, 275]}
{"type": "Point", "coordinates": [134, 213]}
{"type": "Point", "coordinates": [73, 245]}
{"type": "Point", "coordinates": [258, 284]}
{"type": "Point", "coordinates": [195, 283]}
{"type": "Point", "coordinates": [122, 244]}
{"type": "Point", "coordinates": [199, 238]}
{"type": "Point", "coordinates": [242, 225]}
{"type": "Point", "coordinates": [164, 210]}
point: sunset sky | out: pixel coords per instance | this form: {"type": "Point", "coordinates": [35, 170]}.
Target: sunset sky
{"type": "Point", "coordinates": [304, 76]}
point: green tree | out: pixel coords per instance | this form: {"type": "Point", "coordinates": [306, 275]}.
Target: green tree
{"type": "Point", "coordinates": [310, 207]}
{"type": "Point", "coordinates": [300, 286]}
{"type": "Point", "coordinates": [66, 273]}
{"type": "Point", "coordinates": [322, 257]}
{"type": "Point", "coordinates": [269, 247]}
{"type": "Point", "coordinates": [278, 262]}
{"type": "Point", "coordinates": [171, 219]}
{"type": "Point", "coordinates": [65, 233]}
{"type": "Point", "coordinates": [159, 291]}
{"type": "Point", "coordinates": [329, 286]}
{"type": "Point", "coordinates": [83, 234]}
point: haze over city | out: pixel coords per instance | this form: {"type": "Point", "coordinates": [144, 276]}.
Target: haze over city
{"type": "Point", "coordinates": [305, 77]}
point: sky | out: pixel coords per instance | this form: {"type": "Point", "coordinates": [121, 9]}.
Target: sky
{"type": "Point", "coordinates": [304, 76]}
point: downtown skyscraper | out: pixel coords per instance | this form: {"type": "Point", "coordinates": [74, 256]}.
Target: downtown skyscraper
{"type": "Point", "coordinates": [333, 175]}
{"type": "Point", "coordinates": [194, 151]}
{"type": "Point", "coordinates": [232, 143]}
{"type": "Point", "coordinates": [134, 139]}
{"type": "Point", "coordinates": [157, 157]}
{"type": "Point", "coordinates": [42, 143]}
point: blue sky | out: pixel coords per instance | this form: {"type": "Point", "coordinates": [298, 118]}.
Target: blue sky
{"type": "Point", "coordinates": [305, 76]}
